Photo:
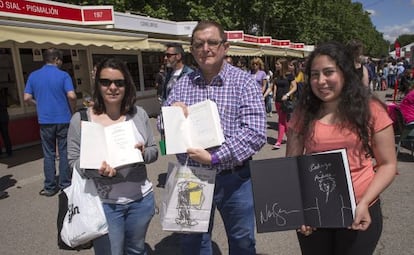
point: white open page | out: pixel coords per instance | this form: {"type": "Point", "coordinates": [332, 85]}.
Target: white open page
{"type": "Point", "coordinates": [114, 144]}
{"type": "Point", "coordinates": [201, 129]}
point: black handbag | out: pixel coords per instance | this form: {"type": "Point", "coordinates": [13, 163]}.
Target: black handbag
{"type": "Point", "coordinates": [288, 106]}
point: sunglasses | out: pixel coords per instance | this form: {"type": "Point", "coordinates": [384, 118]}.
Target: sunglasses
{"type": "Point", "coordinates": [168, 55]}
{"type": "Point", "coordinates": [212, 44]}
{"type": "Point", "coordinates": [108, 82]}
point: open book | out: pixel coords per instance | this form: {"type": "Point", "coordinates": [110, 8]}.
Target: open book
{"type": "Point", "coordinates": [201, 128]}
{"type": "Point", "coordinates": [114, 144]}
{"type": "Point", "coordinates": [313, 190]}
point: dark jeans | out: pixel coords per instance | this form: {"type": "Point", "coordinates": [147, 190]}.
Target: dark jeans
{"type": "Point", "coordinates": [4, 130]}
{"type": "Point", "coordinates": [268, 104]}
{"type": "Point", "coordinates": [344, 241]}
{"type": "Point", "coordinates": [50, 134]}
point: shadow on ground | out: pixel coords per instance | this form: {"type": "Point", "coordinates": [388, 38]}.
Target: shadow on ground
{"type": "Point", "coordinates": [6, 182]}
{"type": "Point", "coordinates": [170, 245]}
{"type": "Point", "coordinates": [22, 156]}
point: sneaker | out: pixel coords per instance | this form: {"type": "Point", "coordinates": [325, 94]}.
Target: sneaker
{"type": "Point", "coordinates": [276, 146]}
{"type": "Point", "coordinates": [48, 193]}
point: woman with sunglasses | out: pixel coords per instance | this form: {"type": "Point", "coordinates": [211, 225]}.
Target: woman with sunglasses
{"type": "Point", "coordinates": [126, 193]}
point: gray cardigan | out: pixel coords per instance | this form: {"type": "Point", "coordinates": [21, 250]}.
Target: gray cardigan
{"type": "Point", "coordinates": [129, 179]}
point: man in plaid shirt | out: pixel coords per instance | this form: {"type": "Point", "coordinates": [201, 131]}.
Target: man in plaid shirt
{"type": "Point", "coordinates": [243, 119]}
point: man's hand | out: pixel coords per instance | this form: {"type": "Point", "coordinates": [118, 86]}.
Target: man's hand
{"type": "Point", "coordinates": [200, 155]}
{"type": "Point", "coordinates": [183, 106]}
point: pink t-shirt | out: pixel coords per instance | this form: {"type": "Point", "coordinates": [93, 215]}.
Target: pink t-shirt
{"type": "Point", "coordinates": [330, 137]}
{"type": "Point", "coordinates": [407, 107]}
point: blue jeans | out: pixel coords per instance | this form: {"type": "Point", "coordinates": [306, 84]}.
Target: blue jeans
{"type": "Point", "coordinates": [50, 134]}
{"type": "Point", "coordinates": [127, 227]}
{"type": "Point", "coordinates": [233, 198]}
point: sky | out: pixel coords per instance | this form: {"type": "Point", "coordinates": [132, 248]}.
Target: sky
{"type": "Point", "coordinates": [391, 17]}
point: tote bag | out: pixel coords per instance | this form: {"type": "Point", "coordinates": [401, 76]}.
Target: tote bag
{"type": "Point", "coordinates": [85, 219]}
{"type": "Point", "coordinates": [187, 199]}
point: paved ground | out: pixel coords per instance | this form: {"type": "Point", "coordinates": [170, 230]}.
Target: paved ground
{"type": "Point", "coordinates": [28, 221]}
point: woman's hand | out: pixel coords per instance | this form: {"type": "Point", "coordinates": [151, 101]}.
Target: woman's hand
{"type": "Point", "coordinates": [106, 170]}
{"type": "Point", "coordinates": [306, 230]}
{"type": "Point", "coordinates": [285, 97]}
{"type": "Point", "coordinates": [141, 147]}
{"type": "Point", "coordinates": [362, 218]}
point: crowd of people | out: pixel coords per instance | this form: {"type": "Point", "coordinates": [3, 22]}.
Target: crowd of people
{"type": "Point", "coordinates": [323, 103]}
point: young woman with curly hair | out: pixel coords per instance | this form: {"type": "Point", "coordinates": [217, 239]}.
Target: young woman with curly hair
{"type": "Point", "coordinates": [336, 111]}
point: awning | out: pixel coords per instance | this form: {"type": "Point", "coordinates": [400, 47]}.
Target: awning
{"type": "Point", "coordinates": [274, 51]}
{"type": "Point", "coordinates": [23, 32]}
{"type": "Point", "coordinates": [244, 51]}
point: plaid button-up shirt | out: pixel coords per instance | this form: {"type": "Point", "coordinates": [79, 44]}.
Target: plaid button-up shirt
{"type": "Point", "coordinates": [241, 109]}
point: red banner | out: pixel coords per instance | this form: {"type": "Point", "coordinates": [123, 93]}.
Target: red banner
{"type": "Point", "coordinates": [44, 10]}
{"type": "Point", "coordinates": [281, 43]}
{"type": "Point", "coordinates": [397, 49]}
{"type": "Point", "coordinates": [234, 35]}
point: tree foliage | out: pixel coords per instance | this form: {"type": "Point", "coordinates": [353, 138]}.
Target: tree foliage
{"type": "Point", "coordinates": [307, 21]}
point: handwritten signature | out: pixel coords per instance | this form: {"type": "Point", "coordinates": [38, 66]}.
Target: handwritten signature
{"type": "Point", "coordinates": [319, 166]}
{"type": "Point", "coordinates": [275, 213]}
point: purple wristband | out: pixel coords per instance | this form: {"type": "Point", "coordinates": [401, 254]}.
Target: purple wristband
{"type": "Point", "coordinates": [214, 159]}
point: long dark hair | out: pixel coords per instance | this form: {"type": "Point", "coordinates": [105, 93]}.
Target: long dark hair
{"type": "Point", "coordinates": [353, 108]}
{"type": "Point", "coordinates": [129, 99]}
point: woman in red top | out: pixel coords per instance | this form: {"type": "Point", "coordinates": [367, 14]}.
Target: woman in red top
{"type": "Point", "coordinates": [336, 111]}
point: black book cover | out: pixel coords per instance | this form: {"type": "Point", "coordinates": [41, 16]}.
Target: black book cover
{"type": "Point", "coordinates": [314, 190]}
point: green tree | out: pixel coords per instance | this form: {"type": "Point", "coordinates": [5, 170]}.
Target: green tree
{"type": "Point", "coordinates": [308, 21]}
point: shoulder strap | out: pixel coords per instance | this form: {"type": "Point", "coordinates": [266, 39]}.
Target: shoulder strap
{"type": "Point", "coordinates": [83, 114]}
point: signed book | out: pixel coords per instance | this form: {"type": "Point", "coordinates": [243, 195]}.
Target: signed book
{"type": "Point", "coordinates": [313, 190]}
{"type": "Point", "coordinates": [201, 128]}
{"type": "Point", "coordinates": [114, 144]}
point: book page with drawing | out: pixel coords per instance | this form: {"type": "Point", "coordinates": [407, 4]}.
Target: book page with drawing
{"type": "Point", "coordinates": [314, 190]}
{"type": "Point", "coordinates": [113, 144]}
{"type": "Point", "coordinates": [201, 129]}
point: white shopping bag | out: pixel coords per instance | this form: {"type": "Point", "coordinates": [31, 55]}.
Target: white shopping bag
{"type": "Point", "coordinates": [85, 219]}
{"type": "Point", "coordinates": [187, 198]}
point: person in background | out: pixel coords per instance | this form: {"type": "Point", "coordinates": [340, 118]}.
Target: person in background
{"type": "Point", "coordinates": [296, 68]}
{"type": "Point", "coordinates": [284, 86]}
{"type": "Point", "coordinates": [126, 193]}
{"type": "Point", "coordinates": [51, 90]}
{"type": "Point", "coordinates": [392, 73]}
{"type": "Point", "coordinates": [159, 81]}
{"type": "Point", "coordinates": [174, 60]}
{"type": "Point", "coordinates": [229, 60]}
{"type": "Point", "coordinates": [356, 48]}
{"type": "Point", "coordinates": [268, 93]}
{"type": "Point", "coordinates": [4, 123]}
{"type": "Point", "coordinates": [242, 115]}
{"type": "Point", "coordinates": [257, 70]}
{"type": "Point", "coordinates": [407, 106]}
{"type": "Point", "coordinates": [242, 64]}
{"type": "Point", "coordinates": [336, 111]}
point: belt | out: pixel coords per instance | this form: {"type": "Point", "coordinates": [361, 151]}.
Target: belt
{"type": "Point", "coordinates": [235, 169]}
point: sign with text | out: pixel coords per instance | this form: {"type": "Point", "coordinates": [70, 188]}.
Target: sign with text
{"type": "Point", "coordinates": [281, 43]}
{"type": "Point", "coordinates": [297, 45]}
{"type": "Point", "coordinates": [53, 11]}
{"type": "Point", "coordinates": [251, 38]}
{"type": "Point", "coordinates": [234, 35]}
{"type": "Point", "coordinates": [265, 40]}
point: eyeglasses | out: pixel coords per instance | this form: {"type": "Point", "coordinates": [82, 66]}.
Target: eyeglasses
{"type": "Point", "coordinates": [168, 55]}
{"type": "Point", "coordinates": [212, 44]}
{"type": "Point", "coordinates": [108, 82]}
